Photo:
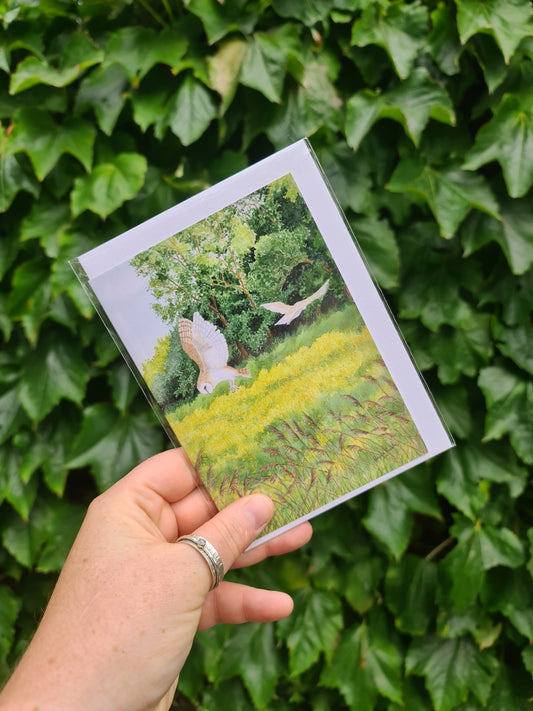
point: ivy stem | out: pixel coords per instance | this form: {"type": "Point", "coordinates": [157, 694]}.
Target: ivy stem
{"type": "Point", "coordinates": [432, 554]}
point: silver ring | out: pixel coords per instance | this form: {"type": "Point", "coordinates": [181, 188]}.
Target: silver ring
{"type": "Point", "coordinates": [210, 554]}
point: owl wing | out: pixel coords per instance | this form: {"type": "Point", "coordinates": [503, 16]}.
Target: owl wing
{"type": "Point", "coordinates": [185, 328]}
{"type": "Point", "coordinates": [320, 292]}
{"type": "Point", "coordinates": [277, 307]}
{"type": "Point", "coordinates": [209, 343]}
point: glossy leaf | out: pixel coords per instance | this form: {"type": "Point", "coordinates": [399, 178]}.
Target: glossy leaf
{"type": "Point", "coordinates": [313, 629]}
{"type": "Point", "coordinates": [190, 111]}
{"type": "Point", "coordinates": [508, 21]}
{"type": "Point", "coordinates": [109, 185]}
{"type": "Point", "coordinates": [112, 445]}
{"type": "Point", "coordinates": [511, 595]}
{"type": "Point", "coordinates": [138, 49]}
{"type": "Point", "coordinates": [53, 371]}
{"type": "Point", "coordinates": [264, 65]}
{"type": "Point", "coordinates": [388, 520]}
{"type": "Point", "coordinates": [220, 20]}
{"type": "Point", "coordinates": [361, 583]}
{"type": "Point", "coordinates": [78, 55]}
{"type": "Point", "coordinates": [15, 175]}
{"type": "Point", "coordinates": [443, 40]}
{"type": "Point", "coordinates": [510, 408]}
{"type": "Point", "coordinates": [225, 69]}
{"type": "Point", "coordinates": [252, 654]}
{"type": "Point", "coordinates": [450, 193]}
{"type": "Point", "coordinates": [410, 588]}
{"type": "Point", "coordinates": [379, 245]}
{"type": "Point", "coordinates": [508, 139]}
{"type": "Point", "coordinates": [514, 234]}
{"type": "Point", "coordinates": [412, 104]}
{"type": "Point", "coordinates": [9, 609]}
{"type": "Point", "coordinates": [363, 666]}
{"type": "Point", "coordinates": [103, 91]}
{"type": "Point", "coordinates": [400, 29]}
{"type": "Point", "coordinates": [21, 495]}
{"type": "Point", "coordinates": [451, 668]}
{"type": "Point", "coordinates": [63, 523]}
{"type": "Point", "coordinates": [462, 471]}
{"type": "Point", "coordinates": [45, 141]}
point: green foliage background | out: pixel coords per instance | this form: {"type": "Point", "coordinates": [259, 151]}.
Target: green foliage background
{"type": "Point", "coordinates": [417, 595]}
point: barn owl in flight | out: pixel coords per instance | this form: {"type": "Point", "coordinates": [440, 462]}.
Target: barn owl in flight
{"type": "Point", "coordinates": [292, 311]}
{"type": "Point", "coordinates": [204, 343]}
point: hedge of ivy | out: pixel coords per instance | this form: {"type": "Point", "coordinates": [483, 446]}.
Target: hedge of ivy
{"type": "Point", "coordinates": [419, 594]}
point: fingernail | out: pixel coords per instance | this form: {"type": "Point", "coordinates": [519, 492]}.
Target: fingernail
{"type": "Point", "coordinates": [259, 509]}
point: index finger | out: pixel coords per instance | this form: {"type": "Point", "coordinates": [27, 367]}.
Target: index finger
{"type": "Point", "coordinates": [168, 474]}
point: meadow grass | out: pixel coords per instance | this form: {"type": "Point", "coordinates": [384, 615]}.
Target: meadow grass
{"type": "Point", "coordinates": [319, 418]}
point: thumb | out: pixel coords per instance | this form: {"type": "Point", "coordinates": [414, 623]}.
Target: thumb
{"type": "Point", "coordinates": [233, 529]}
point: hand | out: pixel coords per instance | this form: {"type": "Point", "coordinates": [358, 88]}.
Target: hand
{"type": "Point", "coordinates": [122, 618]}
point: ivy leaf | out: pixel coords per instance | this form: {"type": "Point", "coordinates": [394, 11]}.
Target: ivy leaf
{"type": "Point", "coordinates": [388, 520]}
{"type": "Point", "coordinates": [47, 221]}
{"type": "Point", "coordinates": [9, 413]}
{"type": "Point", "coordinates": [508, 21]}
{"type": "Point", "coordinates": [109, 185]}
{"type": "Point", "coordinates": [509, 401]}
{"type": "Point", "coordinates": [412, 104]}
{"type": "Point", "coordinates": [515, 343]}
{"type": "Point", "coordinates": [21, 495]}
{"type": "Point", "coordinates": [62, 524]}
{"type": "Point", "coordinates": [30, 296]}
{"type": "Point", "coordinates": [148, 102]}
{"type": "Point", "coordinates": [264, 65]}
{"type": "Point", "coordinates": [410, 588]}
{"type": "Point", "coordinates": [349, 177]}
{"type": "Point", "coordinates": [45, 141]}
{"type": "Point", "coordinates": [123, 386]}
{"type": "Point", "coordinates": [190, 111]}
{"type": "Point", "coordinates": [10, 606]}
{"type": "Point", "coordinates": [251, 653]}
{"type": "Point", "coordinates": [225, 69]}
{"type": "Point", "coordinates": [314, 103]}
{"type": "Point", "coordinates": [103, 91]}
{"type": "Point", "coordinates": [479, 548]}
{"type": "Point", "coordinates": [514, 234]}
{"type": "Point", "coordinates": [462, 471]}
{"type": "Point", "coordinates": [78, 54]}
{"type": "Point", "coordinates": [307, 11]}
{"type": "Point", "coordinates": [313, 628]}
{"type": "Point", "coordinates": [491, 61]}
{"type": "Point", "coordinates": [462, 574]}
{"type": "Point", "coordinates": [498, 546]}
{"type": "Point", "coordinates": [508, 139]}
{"type": "Point", "coordinates": [53, 371]}
{"type": "Point", "coordinates": [364, 665]}
{"type": "Point", "coordinates": [112, 445]}
{"type": "Point", "coordinates": [380, 247]}
{"type": "Point", "coordinates": [138, 49]}
{"type": "Point", "coordinates": [451, 668]}
{"type": "Point", "coordinates": [57, 435]}
{"type": "Point", "coordinates": [511, 594]}
{"type": "Point", "coordinates": [15, 175]}
{"type": "Point", "coordinates": [454, 406]}
{"type": "Point", "coordinates": [450, 193]}
{"type": "Point", "coordinates": [443, 40]}
{"type": "Point", "coordinates": [361, 582]}
{"type": "Point", "coordinates": [462, 350]}
{"type": "Point", "coordinates": [220, 19]}
{"type": "Point", "coordinates": [400, 29]}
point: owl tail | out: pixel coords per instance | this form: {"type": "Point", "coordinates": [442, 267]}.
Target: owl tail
{"type": "Point", "coordinates": [244, 372]}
